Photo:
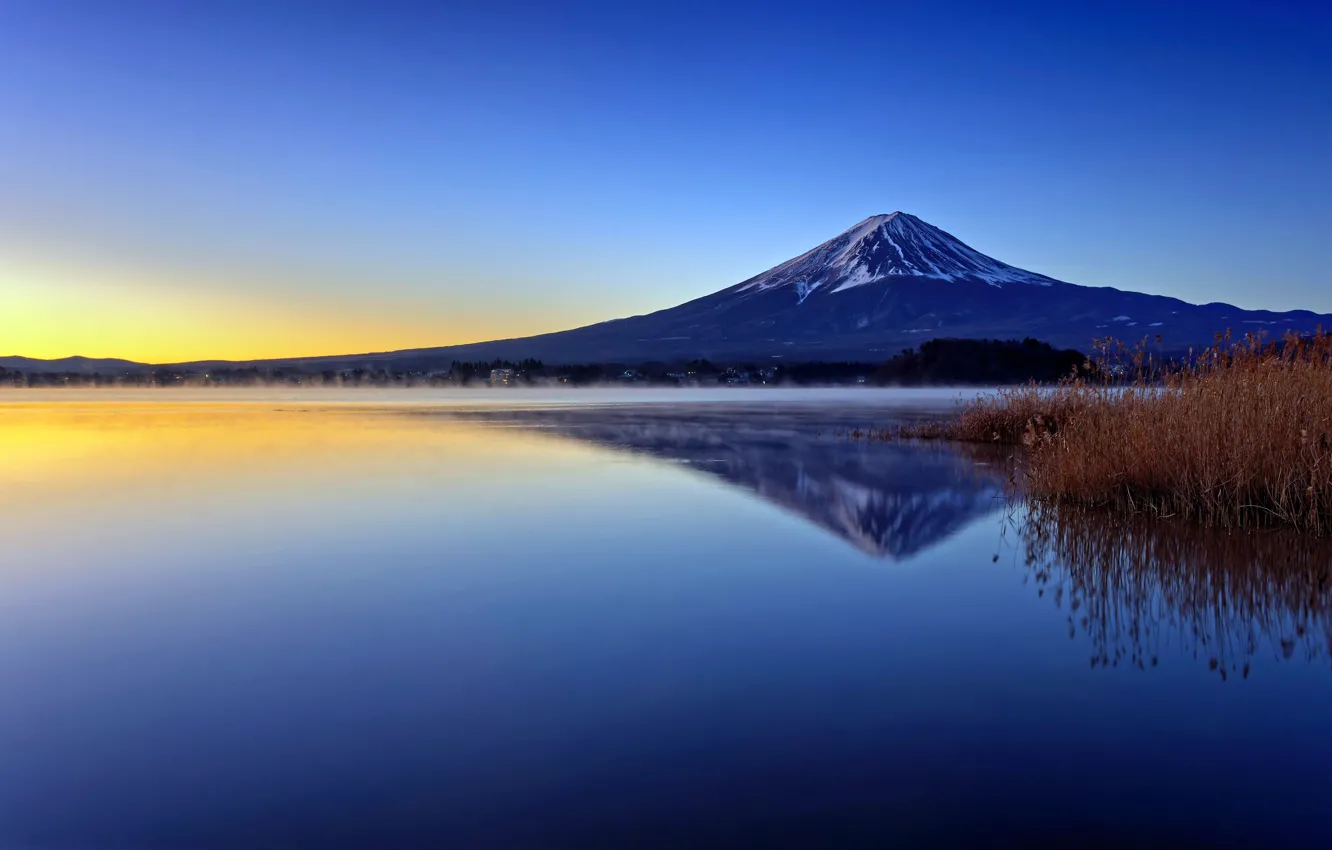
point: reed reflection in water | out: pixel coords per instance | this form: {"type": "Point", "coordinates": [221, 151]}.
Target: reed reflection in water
{"type": "Point", "coordinates": [1139, 588]}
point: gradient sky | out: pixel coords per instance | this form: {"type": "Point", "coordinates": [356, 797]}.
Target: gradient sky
{"type": "Point", "coordinates": [183, 180]}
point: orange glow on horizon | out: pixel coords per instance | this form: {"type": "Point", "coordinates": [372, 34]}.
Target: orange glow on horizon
{"type": "Point", "coordinates": [48, 317]}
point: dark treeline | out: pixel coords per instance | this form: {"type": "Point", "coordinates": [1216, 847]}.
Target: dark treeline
{"type": "Point", "coordinates": [980, 361]}
{"type": "Point", "coordinates": [939, 361]}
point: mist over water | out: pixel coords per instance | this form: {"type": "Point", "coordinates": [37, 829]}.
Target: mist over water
{"type": "Point", "coordinates": [929, 398]}
{"type": "Point", "coordinates": [500, 618]}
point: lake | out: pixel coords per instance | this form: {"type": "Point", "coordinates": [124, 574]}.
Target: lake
{"type": "Point", "coordinates": [633, 619]}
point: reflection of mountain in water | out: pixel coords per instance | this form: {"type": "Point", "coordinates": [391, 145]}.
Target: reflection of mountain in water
{"type": "Point", "coordinates": [1140, 588]}
{"type": "Point", "coordinates": [887, 499]}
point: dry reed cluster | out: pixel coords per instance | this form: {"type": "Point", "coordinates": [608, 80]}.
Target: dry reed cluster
{"type": "Point", "coordinates": [1239, 435]}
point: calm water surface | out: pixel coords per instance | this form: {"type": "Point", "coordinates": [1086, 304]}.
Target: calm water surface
{"type": "Point", "coordinates": [380, 621]}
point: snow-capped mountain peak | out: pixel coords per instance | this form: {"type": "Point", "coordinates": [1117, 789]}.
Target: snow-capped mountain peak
{"type": "Point", "coordinates": [881, 248]}
{"type": "Point", "coordinates": [888, 283]}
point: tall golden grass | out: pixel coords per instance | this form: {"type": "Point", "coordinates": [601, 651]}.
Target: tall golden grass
{"type": "Point", "coordinates": [1238, 435]}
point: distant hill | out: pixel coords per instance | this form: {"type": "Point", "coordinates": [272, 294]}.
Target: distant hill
{"type": "Point", "coordinates": [77, 365]}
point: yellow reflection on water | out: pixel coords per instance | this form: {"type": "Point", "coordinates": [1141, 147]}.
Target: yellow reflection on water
{"type": "Point", "coordinates": [74, 454]}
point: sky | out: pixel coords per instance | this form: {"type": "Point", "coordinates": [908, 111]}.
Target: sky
{"type": "Point", "coordinates": [192, 180]}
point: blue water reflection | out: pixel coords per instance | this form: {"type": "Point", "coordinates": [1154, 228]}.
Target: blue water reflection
{"type": "Point", "coordinates": [627, 627]}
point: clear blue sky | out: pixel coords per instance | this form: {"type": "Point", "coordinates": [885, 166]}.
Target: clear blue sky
{"type": "Point", "coordinates": [294, 176]}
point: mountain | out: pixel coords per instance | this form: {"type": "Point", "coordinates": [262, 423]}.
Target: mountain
{"type": "Point", "coordinates": [887, 283]}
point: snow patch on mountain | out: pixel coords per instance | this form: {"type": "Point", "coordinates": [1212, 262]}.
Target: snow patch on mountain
{"type": "Point", "coordinates": [883, 247]}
